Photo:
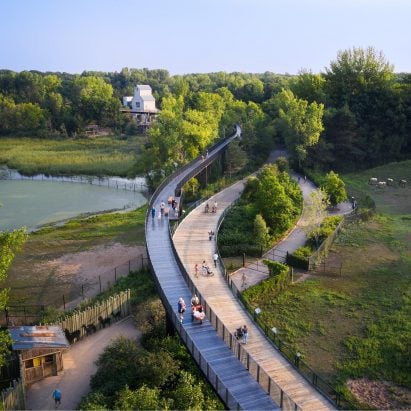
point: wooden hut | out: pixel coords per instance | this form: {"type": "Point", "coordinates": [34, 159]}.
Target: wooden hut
{"type": "Point", "coordinates": [40, 349]}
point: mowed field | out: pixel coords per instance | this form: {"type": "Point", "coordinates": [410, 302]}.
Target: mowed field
{"type": "Point", "coordinates": [352, 317]}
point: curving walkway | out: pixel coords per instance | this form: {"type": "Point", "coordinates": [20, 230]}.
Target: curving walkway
{"type": "Point", "coordinates": [193, 246]}
{"type": "Point", "coordinates": [297, 237]}
{"type": "Point", "coordinates": [230, 379]}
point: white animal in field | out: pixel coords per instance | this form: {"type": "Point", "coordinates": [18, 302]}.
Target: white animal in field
{"type": "Point", "coordinates": [390, 182]}
{"type": "Point", "coordinates": [382, 184]}
{"type": "Point", "coordinates": [402, 183]}
{"type": "Point", "coordinates": [373, 181]}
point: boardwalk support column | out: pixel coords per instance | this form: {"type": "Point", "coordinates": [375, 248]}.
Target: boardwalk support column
{"type": "Point", "coordinates": [170, 330]}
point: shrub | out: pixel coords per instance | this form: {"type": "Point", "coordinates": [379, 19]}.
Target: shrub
{"type": "Point", "coordinates": [327, 227]}
{"type": "Point", "coordinates": [297, 261]}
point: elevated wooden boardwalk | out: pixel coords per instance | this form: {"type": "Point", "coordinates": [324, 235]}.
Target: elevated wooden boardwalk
{"type": "Point", "coordinates": [193, 246]}
{"type": "Point", "coordinates": [234, 384]}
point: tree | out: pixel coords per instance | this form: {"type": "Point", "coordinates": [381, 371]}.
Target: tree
{"type": "Point", "coordinates": [236, 158]}
{"type": "Point", "coordinates": [309, 86]}
{"type": "Point", "coordinates": [356, 71]}
{"type": "Point", "coordinates": [144, 398]}
{"type": "Point", "coordinates": [303, 120]}
{"type": "Point", "coordinates": [119, 359]}
{"type": "Point", "coordinates": [335, 188]}
{"type": "Point", "coordinates": [188, 394]}
{"type": "Point", "coordinates": [314, 212]}
{"type": "Point", "coordinates": [94, 98]}
{"type": "Point", "coordinates": [260, 231]}
{"type": "Point", "coordinates": [10, 242]}
{"type": "Point", "coordinates": [272, 201]}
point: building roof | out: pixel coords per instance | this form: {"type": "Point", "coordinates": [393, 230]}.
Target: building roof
{"type": "Point", "coordinates": [38, 336]}
{"type": "Point", "coordinates": [147, 97]}
{"type": "Point", "coordinates": [144, 87]}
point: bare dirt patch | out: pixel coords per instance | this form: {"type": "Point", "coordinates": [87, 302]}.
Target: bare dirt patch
{"type": "Point", "coordinates": [381, 395]}
{"type": "Point", "coordinates": [86, 270]}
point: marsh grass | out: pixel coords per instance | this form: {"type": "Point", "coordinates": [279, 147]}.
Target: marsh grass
{"type": "Point", "coordinates": [99, 156]}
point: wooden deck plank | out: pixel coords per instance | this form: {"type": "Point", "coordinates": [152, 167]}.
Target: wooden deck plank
{"type": "Point", "coordinates": [193, 246]}
{"type": "Point", "coordinates": [204, 339]}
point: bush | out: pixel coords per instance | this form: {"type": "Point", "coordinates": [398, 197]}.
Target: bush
{"type": "Point", "coordinates": [297, 261]}
{"type": "Point", "coordinates": [327, 227]}
{"type": "Point", "coordinates": [235, 250]}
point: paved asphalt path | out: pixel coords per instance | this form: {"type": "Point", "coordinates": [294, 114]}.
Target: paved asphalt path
{"type": "Point", "coordinates": [256, 272]}
{"type": "Point", "coordinates": [79, 366]}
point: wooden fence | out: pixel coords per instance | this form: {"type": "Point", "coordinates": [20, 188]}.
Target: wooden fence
{"type": "Point", "coordinates": [12, 398]}
{"type": "Point", "coordinates": [81, 323]}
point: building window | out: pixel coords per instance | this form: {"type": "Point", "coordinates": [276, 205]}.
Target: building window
{"type": "Point", "coordinates": [137, 104]}
{"type": "Point", "coordinates": [48, 358]}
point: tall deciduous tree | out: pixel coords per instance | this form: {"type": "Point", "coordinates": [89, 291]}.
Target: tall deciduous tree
{"type": "Point", "coordinates": [304, 122]}
{"type": "Point", "coordinates": [355, 71]}
{"type": "Point", "coordinates": [314, 212]}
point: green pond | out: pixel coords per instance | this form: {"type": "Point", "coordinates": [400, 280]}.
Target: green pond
{"type": "Point", "coordinates": [32, 203]}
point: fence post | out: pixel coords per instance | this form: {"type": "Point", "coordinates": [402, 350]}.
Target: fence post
{"type": "Point", "coordinates": [115, 274]}
{"type": "Point", "coordinates": [64, 303]}
{"type": "Point", "coordinates": [99, 280]}
{"type": "Point", "coordinates": [243, 259]}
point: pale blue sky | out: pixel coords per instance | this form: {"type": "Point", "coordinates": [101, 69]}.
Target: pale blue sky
{"type": "Point", "coordinates": [199, 36]}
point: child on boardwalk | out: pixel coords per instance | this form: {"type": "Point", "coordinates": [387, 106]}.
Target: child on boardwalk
{"type": "Point", "coordinates": [181, 307]}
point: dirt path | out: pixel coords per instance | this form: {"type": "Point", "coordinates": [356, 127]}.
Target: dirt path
{"type": "Point", "coordinates": [79, 365]}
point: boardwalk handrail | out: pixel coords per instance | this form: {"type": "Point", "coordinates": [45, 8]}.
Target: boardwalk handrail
{"type": "Point", "coordinates": [171, 284]}
{"type": "Point", "coordinates": [206, 161]}
{"type": "Point", "coordinates": [310, 375]}
{"type": "Point", "coordinates": [265, 381]}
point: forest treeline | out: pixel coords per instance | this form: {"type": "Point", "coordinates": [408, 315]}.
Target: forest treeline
{"type": "Point", "coordinates": [355, 114]}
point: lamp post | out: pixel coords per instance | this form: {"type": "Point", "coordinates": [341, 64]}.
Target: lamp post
{"type": "Point", "coordinates": [275, 332]}
{"type": "Point", "coordinates": [257, 312]}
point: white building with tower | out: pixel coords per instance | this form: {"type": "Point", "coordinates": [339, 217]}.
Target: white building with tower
{"type": "Point", "coordinates": [142, 105]}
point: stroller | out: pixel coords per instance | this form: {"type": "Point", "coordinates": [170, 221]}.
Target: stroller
{"type": "Point", "coordinates": [198, 313]}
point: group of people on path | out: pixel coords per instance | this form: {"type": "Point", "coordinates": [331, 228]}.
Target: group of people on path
{"type": "Point", "coordinates": [213, 208]}
{"type": "Point", "coordinates": [242, 332]}
{"type": "Point", "coordinates": [197, 311]}
{"type": "Point", "coordinates": [164, 210]}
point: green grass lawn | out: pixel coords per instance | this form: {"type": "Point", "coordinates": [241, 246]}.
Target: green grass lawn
{"type": "Point", "coordinates": [89, 156]}
{"type": "Point", "coordinates": [357, 324]}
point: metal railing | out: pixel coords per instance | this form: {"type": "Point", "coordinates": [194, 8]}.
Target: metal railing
{"type": "Point", "coordinates": [260, 375]}
{"type": "Point", "coordinates": [284, 348]}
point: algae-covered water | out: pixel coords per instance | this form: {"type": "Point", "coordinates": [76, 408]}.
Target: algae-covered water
{"type": "Point", "coordinates": [32, 203]}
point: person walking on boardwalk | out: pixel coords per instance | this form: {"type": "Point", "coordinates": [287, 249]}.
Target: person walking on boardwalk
{"type": "Point", "coordinates": [196, 270]}
{"type": "Point", "coordinates": [181, 307]}
{"type": "Point", "coordinates": [153, 212]}
{"type": "Point", "coordinates": [245, 334]}
{"type": "Point", "coordinates": [57, 397]}
{"type": "Point", "coordinates": [215, 258]}
{"type": "Point", "coordinates": [195, 300]}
